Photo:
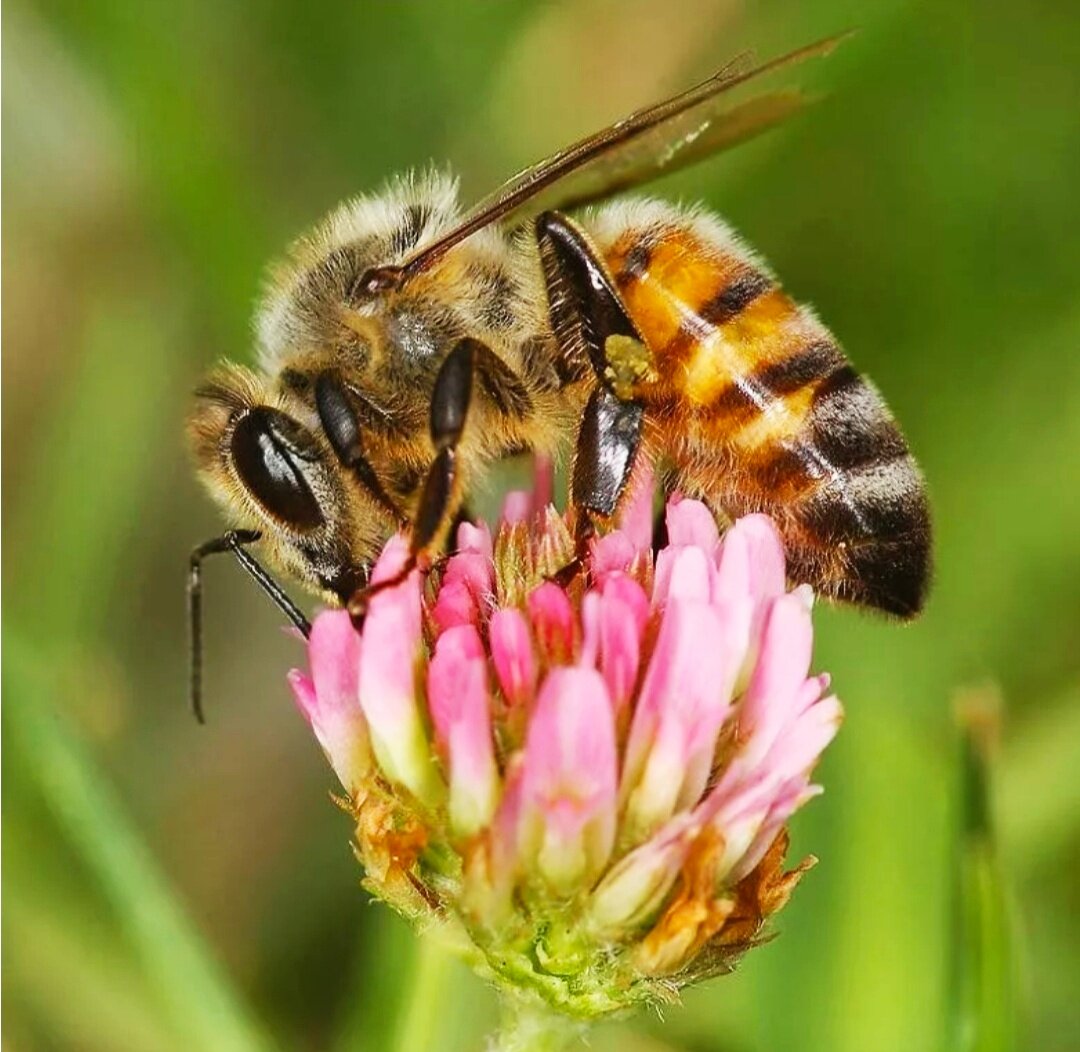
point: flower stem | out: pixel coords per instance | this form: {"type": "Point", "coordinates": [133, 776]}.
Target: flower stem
{"type": "Point", "coordinates": [423, 1011]}
{"type": "Point", "coordinates": [529, 1027]}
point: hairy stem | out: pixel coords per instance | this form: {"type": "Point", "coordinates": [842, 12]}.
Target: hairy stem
{"type": "Point", "coordinates": [425, 1002]}
{"type": "Point", "coordinates": [529, 1027]}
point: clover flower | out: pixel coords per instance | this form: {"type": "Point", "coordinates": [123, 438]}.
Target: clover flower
{"type": "Point", "coordinates": [585, 789]}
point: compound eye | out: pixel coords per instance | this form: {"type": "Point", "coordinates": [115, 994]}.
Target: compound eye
{"type": "Point", "coordinates": [270, 450]}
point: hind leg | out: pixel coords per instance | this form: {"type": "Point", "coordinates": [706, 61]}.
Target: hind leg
{"type": "Point", "coordinates": [598, 342]}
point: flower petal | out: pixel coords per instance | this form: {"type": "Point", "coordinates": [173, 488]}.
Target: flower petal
{"type": "Point", "coordinates": [467, 585]}
{"type": "Point", "coordinates": [390, 651]}
{"type": "Point", "coordinates": [691, 524]}
{"type": "Point", "coordinates": [307, 701]}
{"type": "Point", "coordinates": [623, 615]}
{"type": "Point", "coordinates": [684, 700]}
{"type": "Point", "coordinates": [795, 796]}
{"type": "Point", "coordinates": [517, 507]}
{"type": "Point", "coordinates": [683, 573]}
{"type": "Point", "coordinates": [634, 888]}
{"type": "Point", "coordinates": [612, 553]}
{"type": "Point", "coordinates": [512, 655]}
{"type": "Point", "coordinates": [543, 481]}
{"type": "Point", "coordinates": [329, 699]}
{"type": "Point", "coordinates": [751, 560]}
{"type": "Point", "coordinates": [474, 537]}
{"type": "Point", "coordinates": [552, 616]}
{"type": "Point", "coordinates": [778, 677]}
{"type": "Point", "coordinates": [461, 714]}
{"type": "Point", "coordinates": [797, 750]}
{"type": "Point", "coordinates": [636, 519]}
{"type": "Point", "coordinates": [568, 780]}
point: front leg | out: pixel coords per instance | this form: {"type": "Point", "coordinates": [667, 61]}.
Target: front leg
{"type": "Point", "coordinates": [595, 334]}
{"type": "Point", "coordinates": [450, 400]}
{"type": "Point", "coordinates": [471, 366]}
{"type": "Point", "coordinates": [440, 496]}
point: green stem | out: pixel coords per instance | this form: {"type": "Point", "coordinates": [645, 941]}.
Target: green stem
{"type": "Point", "coordinates": [530, 1027]}
{"type": "Point", "coordinates": [423, 1013]}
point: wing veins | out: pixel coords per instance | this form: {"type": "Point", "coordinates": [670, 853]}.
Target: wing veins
{"type": "Point", "coordinates": [526, 184]}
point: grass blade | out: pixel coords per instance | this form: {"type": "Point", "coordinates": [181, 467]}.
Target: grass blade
{"type": "Point", "coordinates": [203, 1006]}
{"type": "Point", "coordinates": [983, 1008]}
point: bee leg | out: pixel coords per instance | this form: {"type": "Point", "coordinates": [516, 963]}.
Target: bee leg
{"type": "Point", "coordinates": [594, 331]}
{"type": "Point", "coordinates": [234, 541]}
{"type": "Point", "coordinates": [450, 400]}
{"type": "Point", "coordinates": [592, 327]}
{"type": "Point", "coordinates": [568, 573]}
{"type": "Point", "coordinates": [500, 385]}
{"type": "Point", "coordinates": [607, 445]}
{"type": "Point", "coordinates": [439, 498]}
{"type": "Point", "coordinates": [341, 426]}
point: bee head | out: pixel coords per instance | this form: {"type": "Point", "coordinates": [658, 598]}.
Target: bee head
{"type": "Point", "coordinates": [268, 463]}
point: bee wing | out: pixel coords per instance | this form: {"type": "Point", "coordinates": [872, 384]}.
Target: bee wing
{"type": "Point", "coordinates": [678, 143]}
{"type": "Point", "coordinates": [659, 139]}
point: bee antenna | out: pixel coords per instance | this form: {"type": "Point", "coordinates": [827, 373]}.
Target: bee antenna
{"type": "Point", "coordinates": [234, 541]}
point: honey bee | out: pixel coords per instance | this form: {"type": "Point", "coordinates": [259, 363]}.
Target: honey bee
{"type": "Point", "coordinates": [405, 346]}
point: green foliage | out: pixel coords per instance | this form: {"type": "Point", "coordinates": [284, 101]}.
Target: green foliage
{"type": "Point", "coordinates": [197, 1000]}
{"type": "Point", "coordinates": [174, 887]}
{"type": "Point", "coordinates": [984, 964]}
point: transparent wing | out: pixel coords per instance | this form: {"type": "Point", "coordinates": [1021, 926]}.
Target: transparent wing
{"type": "Point", "coordinates": [678, 143]}
{"type": "Point", "coordinates": [659, 139]}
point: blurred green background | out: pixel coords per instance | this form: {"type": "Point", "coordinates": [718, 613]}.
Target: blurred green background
{"type": "Point", "coordinates": [174, 887]}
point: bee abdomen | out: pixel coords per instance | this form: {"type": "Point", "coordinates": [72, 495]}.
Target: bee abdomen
{"type": "Point", "coordinates": [856, 500]}
{"type": "Point", "coordinates": [763, 412]}
{"type": "Point", "coordinates": [833, 469]}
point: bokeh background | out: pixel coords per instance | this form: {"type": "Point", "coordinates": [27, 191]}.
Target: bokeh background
{"type": "Point", "coordinates": [172, 887]}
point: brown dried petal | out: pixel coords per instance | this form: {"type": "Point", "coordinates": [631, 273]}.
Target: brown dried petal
{"type": "Point", "coordinates": [693, 917]}
{"type": "Point", "coordinates": [389, 842]}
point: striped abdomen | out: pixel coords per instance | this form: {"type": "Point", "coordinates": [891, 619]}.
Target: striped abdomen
{"type": "Point", "coordinates": [759, 410]}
